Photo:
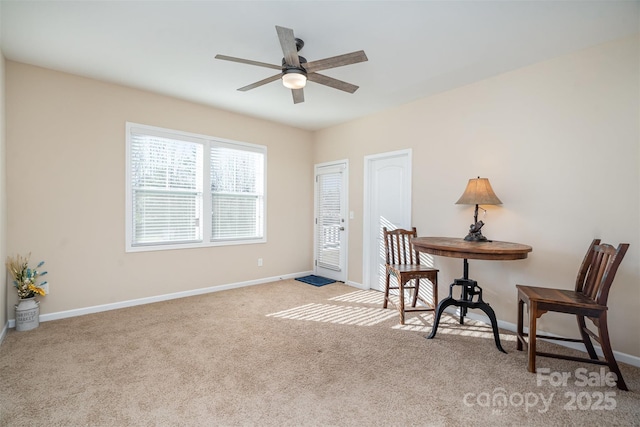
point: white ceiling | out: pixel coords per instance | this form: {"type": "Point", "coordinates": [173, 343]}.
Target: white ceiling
{"type": "Point", "coordinates": [415, 48]}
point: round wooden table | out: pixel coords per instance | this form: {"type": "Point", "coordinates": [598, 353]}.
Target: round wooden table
{"type": "Point", "coordinates": [460, 248]}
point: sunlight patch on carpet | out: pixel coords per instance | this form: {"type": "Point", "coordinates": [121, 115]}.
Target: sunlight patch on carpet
{"type": "Point", "coordinates": [344, 315]}
{"type": "Point", "coordinates": [451, 326]}
{"type": "Point", "coordinates": [361, 297]}
{"type": "Point", "coordinates": [372, 297]}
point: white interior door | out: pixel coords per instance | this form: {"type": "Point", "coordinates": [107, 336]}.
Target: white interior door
{"type": "Point", "coordinates": [330, 241]}
{"type": "Point", "coordinates": [387, 204]}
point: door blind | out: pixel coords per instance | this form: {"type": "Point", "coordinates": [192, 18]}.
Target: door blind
{"type": "Point", "coordinates": [329, 220]}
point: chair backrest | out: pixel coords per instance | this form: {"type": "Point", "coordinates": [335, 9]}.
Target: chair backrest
{"type": "Point", "coordinates": [398, 247]}
{"type": "Point", "coordinates": [598, 270]}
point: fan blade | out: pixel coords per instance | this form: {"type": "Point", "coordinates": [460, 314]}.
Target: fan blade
{"type": "Point", "coordinates": [336, 61]}
{"type": "Point", "coordinates": [248, 61]}
{"type": "Point", "coordinates": [331, 82]}
{"type": "Point", "coordinates": [260, 83]}
{"type": "Point", "coordinates": [288, 43]}
{"type": "Point", "coordinates": [298, 95]}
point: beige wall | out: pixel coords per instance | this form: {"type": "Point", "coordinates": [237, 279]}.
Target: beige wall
{"type": "Point", "coordinates": [66, 191]}
{"type": "Point", "coordinates": [559, 141]}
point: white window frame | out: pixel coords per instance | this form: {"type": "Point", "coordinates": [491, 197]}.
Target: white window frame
{"type": "Point", "coordinates": [207, 142]}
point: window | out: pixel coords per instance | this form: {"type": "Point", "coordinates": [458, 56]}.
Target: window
{"type": "Point", "coordinates": [167, 204]}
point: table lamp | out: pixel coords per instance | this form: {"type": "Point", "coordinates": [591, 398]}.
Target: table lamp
{"type": "Point", "coordinates": [478, 192]}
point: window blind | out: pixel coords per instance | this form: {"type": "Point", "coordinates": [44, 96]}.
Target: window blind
{"type": "Point", "coordinates": [189, 190]}
{"type": "Point", "coordinates": [166, 185]}
{"type": "Point", "coordinates": [237, 193]}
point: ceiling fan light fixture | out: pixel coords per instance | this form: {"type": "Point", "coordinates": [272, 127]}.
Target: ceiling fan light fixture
{"type": "Point", "coordinates": [294, 80]}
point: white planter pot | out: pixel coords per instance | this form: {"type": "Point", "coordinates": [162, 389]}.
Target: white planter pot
{"type": "Point", "coordinates": [27, 314]}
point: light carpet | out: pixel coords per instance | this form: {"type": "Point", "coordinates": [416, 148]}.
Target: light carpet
{"type": "Point", "coordinates": [282, 354]}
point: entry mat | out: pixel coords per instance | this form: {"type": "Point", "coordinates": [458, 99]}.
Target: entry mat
{"type": "Point", "coordinates": [315, 280]}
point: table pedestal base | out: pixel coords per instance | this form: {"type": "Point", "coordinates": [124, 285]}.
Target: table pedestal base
{"type": "Point", "coordinates": [470, 289]}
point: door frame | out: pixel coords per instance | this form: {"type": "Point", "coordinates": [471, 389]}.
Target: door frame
{"type": "Point", "coordinates": [344, 238]}
{"type": "Point", "coordinates": [367, 244]}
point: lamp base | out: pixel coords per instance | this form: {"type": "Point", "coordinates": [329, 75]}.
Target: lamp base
{"type": "Point", "coordinates": [475, 234]}
{"type": "Point", "coordinates": [475, 237]}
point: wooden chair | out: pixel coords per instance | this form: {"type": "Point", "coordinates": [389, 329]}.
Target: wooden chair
{"type": "Point", "coordinates": [403, 262]}
{"type": "Point", "coordinates": [588, 300]}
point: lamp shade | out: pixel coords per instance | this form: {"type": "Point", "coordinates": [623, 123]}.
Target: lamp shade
{"type": "Point", "coordinates": [294, 80]}
{"type": "Point", "coordinates": [479, 192]}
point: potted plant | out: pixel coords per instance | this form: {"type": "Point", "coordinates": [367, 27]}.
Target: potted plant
{"type": "Point", "coordinates": [25, 280]}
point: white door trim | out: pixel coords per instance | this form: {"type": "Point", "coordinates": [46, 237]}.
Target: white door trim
{"type": "Point", "coordinates": [367, 244]}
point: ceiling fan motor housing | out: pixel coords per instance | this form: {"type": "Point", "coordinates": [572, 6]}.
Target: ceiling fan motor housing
{"type": "Point", "coordinates": [286, 68]}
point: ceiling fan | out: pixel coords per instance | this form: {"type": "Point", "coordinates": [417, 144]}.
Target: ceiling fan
{"type": "Point", "coordinates": [295, 70]}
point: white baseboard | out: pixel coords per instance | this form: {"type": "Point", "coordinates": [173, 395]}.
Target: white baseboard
{"type": "Point", "coordinates": [357, 285]}
{"type": "Point", "coordinates": [140, 301]}
{"type": "Point", "coordinates": [620, 357]}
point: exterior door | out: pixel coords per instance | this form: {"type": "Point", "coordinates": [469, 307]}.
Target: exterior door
{"type": "Point", "coordinates": [387, 204]}
{"type": "Point", "coordinates": [330, 236]}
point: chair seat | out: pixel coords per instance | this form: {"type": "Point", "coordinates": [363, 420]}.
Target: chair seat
{"type": "Point", "coordinates": [566, 297]}
{"type": "Point", "coordinates": [412, 268]}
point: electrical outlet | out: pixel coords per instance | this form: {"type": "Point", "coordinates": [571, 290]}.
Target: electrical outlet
{"type": "Point", "coordinates": [46, 288]}
{"type": "Point", "coordinates": [259, 262]}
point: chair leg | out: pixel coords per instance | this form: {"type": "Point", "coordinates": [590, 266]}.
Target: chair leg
{"type": "Point", "coordinates": [586, 339]}
{"type": "Point", "coordinates": [386, 289]}
{"type": "Point", "coordinates": [533, 317]}
{"type": "Point", "coordinates": [434, 292]}
{"type": "Point", "coordinates": [603, 334]}
{"type": "Point", "coordinates": [415, 293]}
{"type": "Point", "coordinates": [520, 330]}
{"type": "Point", "coordinates": [401, 284]}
